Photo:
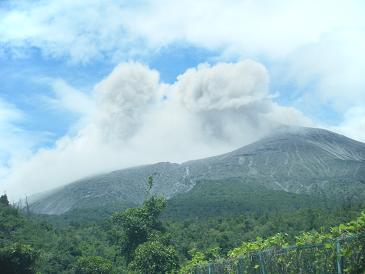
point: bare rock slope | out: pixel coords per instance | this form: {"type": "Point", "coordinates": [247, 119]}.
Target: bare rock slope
{"type": "Point", "coordinates": [298, 160]}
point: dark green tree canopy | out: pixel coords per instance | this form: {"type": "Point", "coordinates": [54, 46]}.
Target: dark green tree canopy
{"type": "Point", "coordinates": [154, 257]}
{"type": "Point", "coordinates": [17, 259]}
{"type": "Point", "coordinates": [136, 224]}
{"type": "Point", "coordinates": [4, 200]}
{"type": "Point", "coordinates": [142, 237]}
{"type": "Point", "coordinates": [93, 265]}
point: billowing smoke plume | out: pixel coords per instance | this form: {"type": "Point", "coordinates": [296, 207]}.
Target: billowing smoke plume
{"type": "Point", "coordinates": [138, 120]}
{"type": "Point", "coordinates": [223, 86]}
{"type": "Point", "coordinates": [124, 98]}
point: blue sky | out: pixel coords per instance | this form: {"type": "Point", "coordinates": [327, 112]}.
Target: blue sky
{"type": "Point", "coordinates": [65, 69]}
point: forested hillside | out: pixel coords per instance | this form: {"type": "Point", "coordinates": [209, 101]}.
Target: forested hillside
{"type": "Point", "coordinates": [153, 238]}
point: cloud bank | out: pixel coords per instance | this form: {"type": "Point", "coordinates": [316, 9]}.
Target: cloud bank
{"type": "Point", "coordinates": [123, 28]}
{"type": "Point", "coordinates": [136, 119]}
{"type": "Point", "coordinates": [316, 47]}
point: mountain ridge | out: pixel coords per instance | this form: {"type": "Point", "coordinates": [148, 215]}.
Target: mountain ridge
{"type": "Point", "coordinates": [297, 160]}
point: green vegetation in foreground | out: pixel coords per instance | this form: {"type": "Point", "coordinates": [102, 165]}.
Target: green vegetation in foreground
{"type": "Point", "coordinates": [138, 240]}
{"type": "Point", "coordinates": [340, 250]}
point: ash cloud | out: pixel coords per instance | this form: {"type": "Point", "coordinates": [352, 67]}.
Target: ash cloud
{"type": "Point", "coordinates": [124, 98]}
{"type": "Point", "coordinates": [136, 119]}
{"type": "Point", "coordinates": [223, 86]}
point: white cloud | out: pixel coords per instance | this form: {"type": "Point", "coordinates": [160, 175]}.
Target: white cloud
{"type": "Point", "coordinates": [333, 66]}
{"type": "Point", "coordinates": [15, 143]}
{"type": "Point", "coordinates": [273, 28]}
{"type": "Point", "coordinates": [79, 30]}
{"type": "Point", "coordinates": [66, 98]}
{"type": "Point", "coordinates": [353, 124]}
{"type": "Point", "coordinates": [9, 113]}
{"type": "Point", "coordinates": [138, 120]}
{"type": "Point", "coordinates": [127, 29]}
{"type": "Point", "coordinates": [9, 140]}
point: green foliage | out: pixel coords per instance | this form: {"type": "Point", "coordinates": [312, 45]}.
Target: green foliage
{"type": "Point", "coordinates": [198, 259]}
{"type": "Point", "coordinates": [312, 237]}
{"type": "Point", "coordinates": [353, 251]}
{"type": "Point", "coordinates": [17, 259]}
{"type": "Point", "coordinates": [140, 233]}
{"type": "Point", "coordinates": [4, 200]}
{"type": "Point", "coordinates": [179, 232]}
{"type": "Point", "coordinates": [93, 265]}
{"type": "Point", "coordinates": [234, 197]}
{"type": "Point", "coordinates": [10, 221]}
{"type": "Point", "coordinates": [149, 184]}
{"type": "Point", "coordinates": [315, 252]}
{"type": "Point", "coordinates": [57, 249]}
{"type": "Point", "coordinates": [154, 257]}
{"type": "Point", "coordinates": [354, 226]}
{"type": "Point", "coordinates": [277, 241]}
{"type": "Point", "coordinates": [133, 226]}
{"type": "Point", "coordinates": [229, 232]}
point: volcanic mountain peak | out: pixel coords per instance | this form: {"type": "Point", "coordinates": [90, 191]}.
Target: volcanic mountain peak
{"type": "Point", "coordinates": [298, 160]}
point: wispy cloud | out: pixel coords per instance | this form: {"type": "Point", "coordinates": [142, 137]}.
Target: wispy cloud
{"type": "Point", "coordinates": [64, 97]}
{"type": "Point", "coordinates": [9, 145]}
{"type": "Point", "coordinates": [353, 124]}
{"type": "Point", "coordinates": [78, 30]}
{"type": "Point", "coordinates": [16, 143]}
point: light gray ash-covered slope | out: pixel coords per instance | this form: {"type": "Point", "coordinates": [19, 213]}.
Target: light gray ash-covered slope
{"type": "Point", "coordinates": [299, 160]}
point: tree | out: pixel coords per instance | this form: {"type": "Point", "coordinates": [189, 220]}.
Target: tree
{"type": "Point", "coordinates": [136, 224]}
{"type": "Point", "coordinates": [154, 257]}
{"type": "Point", "coordinates": [149, 184]}
{"type": "Point", "coordinates": [4, 200]}
{"type": "Point", "coordinates": [93, 265]}
{"type": "Point", "coordinates": [17, 259]}
{"type": "Point", "coordinates": [143, 242]}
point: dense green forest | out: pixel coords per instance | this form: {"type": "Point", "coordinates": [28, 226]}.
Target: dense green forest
{"type": "Point", "coordinates": [210, 198]}
{"type": "Point", "coordinates": [161, 236]}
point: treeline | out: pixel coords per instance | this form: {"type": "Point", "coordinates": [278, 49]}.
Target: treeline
{"type": "Point", "coordinates": [138, 240]}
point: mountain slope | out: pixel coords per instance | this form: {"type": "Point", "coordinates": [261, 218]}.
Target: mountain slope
{"type": "Point", "coordinates": [234, 197]}
{"type": "Point", "coordinates": [296, 160]}
{"type": "Point", "coordinates": [299, 160]}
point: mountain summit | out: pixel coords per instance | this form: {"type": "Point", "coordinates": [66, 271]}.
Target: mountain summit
{"type": "Point", "coordinates": [295, 160]}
